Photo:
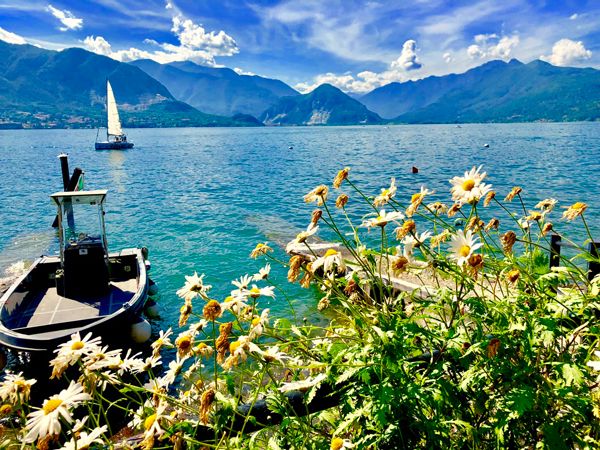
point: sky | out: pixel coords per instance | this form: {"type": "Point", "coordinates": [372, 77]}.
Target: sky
{"type": "Point", "coordinates": [357, 45]}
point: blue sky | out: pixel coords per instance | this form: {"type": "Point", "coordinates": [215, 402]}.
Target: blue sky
{"type": "Point", "coordinates": [356, 45]}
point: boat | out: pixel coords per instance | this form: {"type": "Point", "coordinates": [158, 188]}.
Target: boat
{"type": "Point", "coordinates": [115, 138]}
{"type": "Point", "coordinates": [82, 289]}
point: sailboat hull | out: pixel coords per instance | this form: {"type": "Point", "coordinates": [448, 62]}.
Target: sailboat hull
{"type": "Point", "coordinates": [113, 145]}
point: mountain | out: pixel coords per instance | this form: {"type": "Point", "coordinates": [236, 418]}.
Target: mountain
{"type": "Point", "coordinates": [217, 90]}
{"type": "Point", "coordinates": [497, 91]}
{"type": "Point", "coordinates": [326, 105]}
{"type": "Point", "coordinates": [45, 88]}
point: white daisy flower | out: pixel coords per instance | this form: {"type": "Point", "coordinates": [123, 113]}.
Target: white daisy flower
{"type": "Point", "coordinates": [259, 324]}
{"type": "Point", "coordinates": [71, 351]}
{"type": "Point", "coordinates": [84, 439]}
{"type": "Point", "coordinates": [255, 292]}
{"type": "Point", "coordinates": [330, 259]}
{"type": "Point", "coordinates": [263, 273]}
{"type": "Point", "coordinates": [163, 340]}
{"type": "Point", "coordinates": [242, 283]}
{"type": "Point", "coordinates": [103, 358]}
{"type": "Point", "coordinates": [383, 219]}
{"type": "Point", "coordinates": [463, 245]}
{"type": "Point", "coordinates": [46, 420]}
{"type": "Point", "coordinates": [15, 388]}
{"type": "Point", "coordinates": [386, 194]}
{"type": "Point", "coordinates": [470, 187]}
{"type": "Point", "coordinates": [302, 237]}
{"type": "Point", "coordinates": [234, 303]}
{"type": "Point", "coordinates": [194, 287]}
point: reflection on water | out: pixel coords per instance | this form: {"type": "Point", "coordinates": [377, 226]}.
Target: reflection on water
{"type": "Point", "coordinates": [116, 159]}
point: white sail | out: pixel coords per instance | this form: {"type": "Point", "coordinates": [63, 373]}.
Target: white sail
{"type": "Point", "coordinates": [114, 124]}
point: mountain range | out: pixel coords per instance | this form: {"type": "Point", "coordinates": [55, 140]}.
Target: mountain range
{"type": "Point", "coordinates": [217, 90]}
{"type": "Point", "coordinates": [45, 88]}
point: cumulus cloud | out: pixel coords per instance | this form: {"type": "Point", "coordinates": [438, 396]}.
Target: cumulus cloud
{"type": "Point", "coordinates": [408, 59]}
{"type": "Point", "coordinates": [367, 80]}
{"type": "Point", "coordinates": [566, 51]}
{"type": "Point", "coordinates": [447, 57]}
{"type": "Point", "coordinates": [11, 38]}
{"type": "Point", "coordinates": [492, 46]}
{"type": "Point", "coordinates": [574, 16]}
{"type": "Point", "coordinates": [69, 21]}
{"type": "Point", "coordinates": [243, 72]}
{"type": "Point", "coordinates": [195, 44]}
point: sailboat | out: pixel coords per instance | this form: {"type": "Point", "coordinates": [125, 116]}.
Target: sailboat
{"type": "Point", "coordinates": [115, 138]}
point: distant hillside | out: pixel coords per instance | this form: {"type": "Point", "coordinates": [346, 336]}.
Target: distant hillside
{"type": "Point", "coordinates": [44, 88]}
{"type": "Point", "coordinates": [493, 92]}
{"type": "Point", "coordinates": [217, 90]}
{"type": "Point", "coordinates": [326, 105]}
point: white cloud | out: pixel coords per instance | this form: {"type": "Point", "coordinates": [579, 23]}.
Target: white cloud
{"type": "Point", "coordinates": [408, 59]}
{"type": "Point", "coordinates": [243, 72]}
{"type": "Point", "coordinates": [195, 44]}
{"type": "Point", "coordinates": [574, 16]}
{"type": "Point", "coordinates": [69, 21]}
{"type": "Point", "coordinates": [11, 38]}
{"type": "Point", "coordinates": [489, 46]}
{"type": "Point", "coordinates": [566, 51]}
{"type": "Point", "coordinates": [367, 80]}
{"type": "Point", "coordinates": [447, 57]}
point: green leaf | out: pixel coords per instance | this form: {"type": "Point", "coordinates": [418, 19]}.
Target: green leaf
{"type": "Point", "coordinates": [571, 374]}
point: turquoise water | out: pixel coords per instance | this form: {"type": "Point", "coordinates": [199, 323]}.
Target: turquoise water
{"type": "Point", "coordinates": [200, 199]}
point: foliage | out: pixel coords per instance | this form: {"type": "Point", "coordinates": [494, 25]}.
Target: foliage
{"type": "Point", "coordinates": [444, 338]}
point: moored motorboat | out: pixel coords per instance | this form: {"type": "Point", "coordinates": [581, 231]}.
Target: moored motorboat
{"type": "Point", "coordinates": [83, 289]}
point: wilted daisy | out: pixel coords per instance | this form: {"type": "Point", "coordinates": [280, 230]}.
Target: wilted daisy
{"type": "Point", "coordinates": [547, 204]}
{"type": "Point", "coordinates": [508, 240]}
{"type": "Point", "coordinates": [301, 237]}
{"type": "Point", "coordinates": [212, 310]}
{"type": "Point", "coordinates": [15, 388]}
{"type": "Point", "coordinates": [84, 440]}
{"type": "Point", "coordinates": [162, 341]}
{"type": "Point", "coordinates": [437, 207]}
{"type": "Point", "coordinates": [330, 259]}
{"type": "Point", "coordinates": [184, 343]}
{"type": "Point", "coordinates": [318, 195]}
{"type": "Point", "coordinates": [416, 201]}
{"type": "Point", "coordinates": [463, 245]}
{"type": "Point", "coordinates": [406, 228]}
{"type": "Point", "coordinates": [513, 193]}
{"type": "Point", "coordinates": [386, 194]}
{"type": "Point", "coordinates": [260, 249]}
{"type": "Point", "coordinates": [383, 219]}
{"type": "Point", "coordinates": [340, 177]}
{"type": "Point", "coordinates": [46, 420]}
{"type": "Point", "coordinates": [341, 201]}
{"type": "Point", "coordinates": [574, 211]}
{"type": "Point", "coordinates": [470, 187]}
{"type": "Point", "coordinates": [193, 287]}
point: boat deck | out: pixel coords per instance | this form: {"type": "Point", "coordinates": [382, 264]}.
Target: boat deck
{"type": "Point", "coordinates": [47, 307]}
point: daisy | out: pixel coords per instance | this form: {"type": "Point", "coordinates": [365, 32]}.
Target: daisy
{"type": "Point", "coordinates": [103, 358]}
{"type": "Point", "coordinates": [256, 292]}
{"type": "Point", "coordinates": [470, 187]}
{"type": "Point", "coordinates": [263, 273]}
{"type": "Point", "coordinates": [416, 200]}
{"type": "Point", "coordinates": [463, 245]}
{"type": "Point", "coordinates": [162, 341]}
{"type": "Point", "coordinates": [386, 194]}
{"type": "Point", "coordinates": [383, 219]}
{"type": "Point", "coordinates": [318, 195]}
{"type": "Point", "coordinates": [242, 283]}
{"type": "Point", "coordinates": [71, 351]}
{"type": "Point", "coordinates": [340, 444]}
{"type": "Point", "coordinates": [260, 249]}
{"type": "Point", "coordinates": [575, 210]}
{"type": "Point", "coordinates": [547, 204]}
{"type": "Point", "coordinates": [330, 259]}
{"type": "Point", "coordinates": [234, 303]}
{"type": "Point", "coordinates": [194, 287]}
{"type": "Point", "coordinates": [340, 177]}
{"type": "Point", "coordinates": [46, 420]}
{"type": "Point", "coordinates": [301, 237]}
{"type": "Point", "coordinates": [259, 324]}
{"type": "Point", "coordinates": [84, 440]}
{"type": "Point", "coordinates": [14, 388]}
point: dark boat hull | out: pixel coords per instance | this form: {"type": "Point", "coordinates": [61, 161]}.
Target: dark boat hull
{"type": "Point", "coordinates": [113, 145]}
{"type": "Point", "coordinates": [23, 307]}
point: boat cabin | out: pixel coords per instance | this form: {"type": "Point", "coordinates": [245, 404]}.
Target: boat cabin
{"type": "Point", "coordinates": [83, 247]}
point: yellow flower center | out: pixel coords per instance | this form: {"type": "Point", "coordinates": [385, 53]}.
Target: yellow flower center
{"type": "Point", "coordinates": [234, 346]}
{"type": "Point", "coordinates": [149, 421]}
{"type": "Point", "coordinates": [184, 342]}
{"type": "Point", "coordinates": [255, 321]}
{"type": "Point", "coordinates": [416, 197]}
{"type": "Point", "coordinates": [5, 409]}
{"type": "Point", "coordinates": [77, 345]}
{"type": "Point", "coordinates": [468, 184]}
{"type": "Point", "coordinates": [337, 443]}
{"type": "Point", "coordinates": [464, 251]}
{"type": "Point", "coordinates": [51, 405]}
{"type": "Point", "coordinates": [255, 292]}
{"type": "Point", "coordinates": [330, 252]}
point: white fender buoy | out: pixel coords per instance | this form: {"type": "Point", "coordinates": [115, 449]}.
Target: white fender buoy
{"type": "Point", "coordinates": [152, 288]}
{"type": "Point", "coordinates": [151, 309]}
{"type": "Point", "coordinates": [140, 330]}
{"type": "Point", "coordinates": [148, 265]}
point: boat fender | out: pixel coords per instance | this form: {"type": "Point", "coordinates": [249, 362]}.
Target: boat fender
{"type": "Point", "coordinates": [145, 252]}
{"type": "Point", "coordinates": [148, 265]}
{"type": "Point", "coordinates": [151, 309]}
{"type": "Point", "coordinates": [140, 330]}
{"type": "Point", "coordinates": [152, 288]}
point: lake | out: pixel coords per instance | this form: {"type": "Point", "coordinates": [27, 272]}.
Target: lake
{"type": "Point", "coordinates": [201, 198]}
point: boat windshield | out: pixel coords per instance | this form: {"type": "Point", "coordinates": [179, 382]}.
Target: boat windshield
{"type": "Point", "coordinates": [81, 223]}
